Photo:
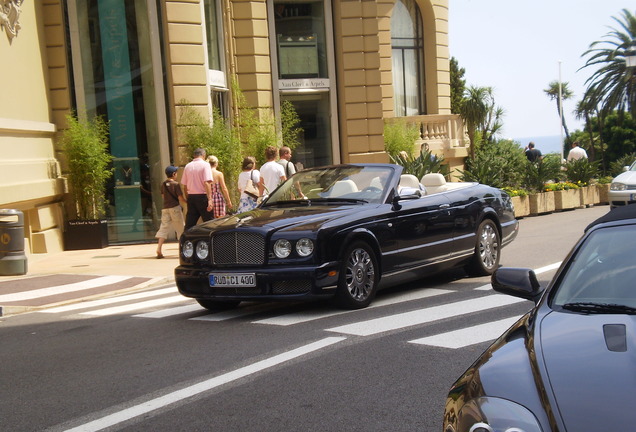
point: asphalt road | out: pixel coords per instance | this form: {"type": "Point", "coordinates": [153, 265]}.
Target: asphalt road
{"type": "Point", "coordinates": [152, 363]}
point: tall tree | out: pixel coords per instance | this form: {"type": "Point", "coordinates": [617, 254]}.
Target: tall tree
{"type": "Point", "coordinates": [553, 93]}
{"type": "Point", "coordinates": [613, 86]}
{"type": "Point", "coordinates": [474, 110]}
{"type": "Point", "coordinates": [457, 85]}
{"type": "Point", "coordinates": [585, 110]}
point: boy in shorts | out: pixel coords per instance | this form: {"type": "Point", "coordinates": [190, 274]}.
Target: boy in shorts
{"type": "Point", "coordinates": [171, 213]}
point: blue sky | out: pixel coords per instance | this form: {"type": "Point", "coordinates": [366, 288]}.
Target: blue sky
{"type": "Point", "coordinates": [515, 47]}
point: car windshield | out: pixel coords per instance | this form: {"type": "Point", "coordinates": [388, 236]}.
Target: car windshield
{"type": "Point", "coordinates": [351, 184]}
{"type": "Point", "coordinates": [600, 277]}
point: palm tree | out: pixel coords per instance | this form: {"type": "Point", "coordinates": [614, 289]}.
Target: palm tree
{"type": "Point", "coordinates": [553, 92]}
{"type": "Point", "coordinates": [474, 110]}
{"type": "Point", "coordinates": [613, 84]}
{"type": "Point", "coordinates": [585, 110]}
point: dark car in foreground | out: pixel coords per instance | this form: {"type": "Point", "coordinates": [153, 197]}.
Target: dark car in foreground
{"type": "Point", "coordinates": [569, 364]}
{"type": "Point", "coordinates": [345, 231]}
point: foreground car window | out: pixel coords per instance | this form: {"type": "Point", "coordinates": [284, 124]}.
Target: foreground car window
{"type": "Point", "coordinates": [347, 183]}
{"type": "Point", "coordinates": [602, 274]}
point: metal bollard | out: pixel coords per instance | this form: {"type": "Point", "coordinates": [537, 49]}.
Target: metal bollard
{"type": "Point", "coordinates": [13, 260]}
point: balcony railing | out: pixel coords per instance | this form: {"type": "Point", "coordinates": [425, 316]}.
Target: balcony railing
{"type": "Point", "coordinates": [440, 133]}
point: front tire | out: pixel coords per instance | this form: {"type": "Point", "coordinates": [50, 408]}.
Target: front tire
{"type": "Point", "coordinates": [487, 250]}
{"type": "Point", "coordinates": [218, 305]}
{"type": "Point", "coordinates": [359, 277]}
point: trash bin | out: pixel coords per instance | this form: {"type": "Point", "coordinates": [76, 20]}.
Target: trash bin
{"type": "Point", "coordinates": [13, 260]}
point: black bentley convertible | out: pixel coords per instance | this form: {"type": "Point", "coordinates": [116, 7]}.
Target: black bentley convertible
{"type": "Point", "coordinates": [345, 231]}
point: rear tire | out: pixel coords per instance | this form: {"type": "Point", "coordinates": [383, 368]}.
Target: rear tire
{"type": "Point", "coordinates": [359, 277]}
{"type": "Point", "coordinates": [218, 305]}
{"type": "Point", "coordinates": [487, 250]}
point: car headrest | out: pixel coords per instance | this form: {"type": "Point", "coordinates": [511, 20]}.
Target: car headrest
{"type": "Point", "coordinates": [409, 181]}
{"type": "Point", "coordinates": [433, 179]}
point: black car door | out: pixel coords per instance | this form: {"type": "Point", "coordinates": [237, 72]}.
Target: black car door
{"type": "Point", "coordinates": [423, 232]}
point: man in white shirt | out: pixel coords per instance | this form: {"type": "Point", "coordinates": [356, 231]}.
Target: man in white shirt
{"type": "Point", "coordinates": [285, 155]}
{"type": "Point", "coordinates": [576, 152]}
{"type": "Point", "coordinates": [272, 173]}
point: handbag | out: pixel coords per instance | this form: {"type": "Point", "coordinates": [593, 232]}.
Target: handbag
{"type": "Point", "coordinates": [251, 190]}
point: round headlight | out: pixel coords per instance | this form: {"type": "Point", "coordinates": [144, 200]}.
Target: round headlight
{"type": "Point", "coordinates": [618, 186]}
{"type": "Point", "coordinates": [202, 250]}
{"type": "Point", "coordinates": [187, 249]}
{"type": "Point", "coordinates": [282, 248]}
{"type": "Point", "coordinates": [304, 247]}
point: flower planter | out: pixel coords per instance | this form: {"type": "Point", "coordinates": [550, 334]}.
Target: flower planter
{"type": "Point", "coordinates": [603, 193]}
{"type": "Point", "coordinates": [589, 196]}
{"type": "Point", "coordinates": [541, 203]}
{"type": "Point", "coordinates": [567, 199]}
{"type": "Point", "coordinates": [522, 205]}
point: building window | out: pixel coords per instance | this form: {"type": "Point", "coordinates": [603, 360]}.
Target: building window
{"type": "Point", "coordinates": [212, 33]}
{"type": "Point", "coordinates": [300, 39]}
{"type": "Point", "coordinates": [408, 63]}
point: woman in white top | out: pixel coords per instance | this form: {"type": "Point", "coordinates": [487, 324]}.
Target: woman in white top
{"type": "Point", "coordinates": [249, 172]}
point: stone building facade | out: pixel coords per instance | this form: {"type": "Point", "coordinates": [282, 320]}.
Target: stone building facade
{"type": "Point", "coordinates": [347, 66]}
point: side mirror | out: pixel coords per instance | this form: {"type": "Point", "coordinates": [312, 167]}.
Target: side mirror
{"type": "Point", "coordinates": [397, 198]}
{"type": "Point", "coordinates": [517, 282]}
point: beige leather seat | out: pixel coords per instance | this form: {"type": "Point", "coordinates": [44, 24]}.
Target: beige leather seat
{"type": "Point", "coordinates": [409, 181]}
{"type": "Point", "coordinates": [434, 183]}
{"type": "Point", "coordinates": [343, 187]}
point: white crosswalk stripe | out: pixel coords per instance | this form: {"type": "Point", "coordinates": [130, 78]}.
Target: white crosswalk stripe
{"type": "Point", "coordinates": [179, 310]}
{"type": "Point", "coordinates": [136, 306]}
{"type": "Point", "coordinates": [110, 300]}
{"type": "Point", "coordinates": [300, 317]}
{"type": "Point", "coordinates": [235, 313]}
{"type": "Point", "coordinates": [468, 336]}
{"type": "Point", "coordinates": [62, 289]}
{"type": "Point", "coordinates": [159, 303]}
{"type": "Point", "coordinates": [426, 315]}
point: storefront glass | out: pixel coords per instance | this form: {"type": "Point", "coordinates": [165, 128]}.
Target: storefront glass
{"type": "Point", "coordinates": [114, 78]}
{"type": "Point", "coordinates": [304, 61]}
{"type": "Point", "coordinates": [313, 110]}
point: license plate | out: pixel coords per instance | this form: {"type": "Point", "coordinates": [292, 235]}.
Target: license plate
{"type": "Point", "coordinates": [233, 280]}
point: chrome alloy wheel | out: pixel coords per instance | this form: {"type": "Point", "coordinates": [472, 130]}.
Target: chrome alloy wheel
{"type": "Point", "coordinates": [489, 246]}
{"type": "Point", "coordinates": [360, 274]}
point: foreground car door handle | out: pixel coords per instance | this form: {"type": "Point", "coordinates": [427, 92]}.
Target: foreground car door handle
{"type": "Point", "coordinates": [444, 206]}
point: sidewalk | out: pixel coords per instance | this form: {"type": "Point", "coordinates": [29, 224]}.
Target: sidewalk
{"type": "Point", "coordinates": [71, 276]}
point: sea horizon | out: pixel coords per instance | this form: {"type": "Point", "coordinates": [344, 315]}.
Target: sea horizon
{"type": "Point", "coordinates": [545, 144]}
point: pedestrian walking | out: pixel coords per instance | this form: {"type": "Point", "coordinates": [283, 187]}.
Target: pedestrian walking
{"type": "Point", "coordinates": [285, 155]}
{"type": "Point", "coordinates": [576, 152]}
{"type": "Point", "coordinates": [248, 181]}
{"type": "Point", "coordinates": [272, 173]}
{"type": "Point", "coordinates": [197, 183]}
{"type": "Point", "coordinates": [220, 196]}
{"type": "Point", "coordinates": [533, 154]}
{"type": "Point", "coordinates": [171, 212]}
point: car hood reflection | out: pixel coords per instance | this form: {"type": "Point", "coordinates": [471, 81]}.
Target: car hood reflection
{"type": "Point", "coordinates": [584, 352]}
{"type": "Point", "coordinates": [276, 218]}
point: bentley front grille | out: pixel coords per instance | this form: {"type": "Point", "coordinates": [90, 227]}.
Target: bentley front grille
{"type": "Point", "coordinates": [238, 248]}
{"type": "Point", "coordinates": [291, 287]}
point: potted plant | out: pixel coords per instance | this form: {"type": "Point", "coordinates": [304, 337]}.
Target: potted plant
{"type": "Point", "coordinates": [520, 201]}
{"type": "Point", "coordinates": [85, 145]}
{"type": "Point", "coordinates": [566, 195]}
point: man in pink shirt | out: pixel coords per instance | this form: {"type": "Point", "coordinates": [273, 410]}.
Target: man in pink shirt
{"type": "Point", "coordinates": [197, 182]}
